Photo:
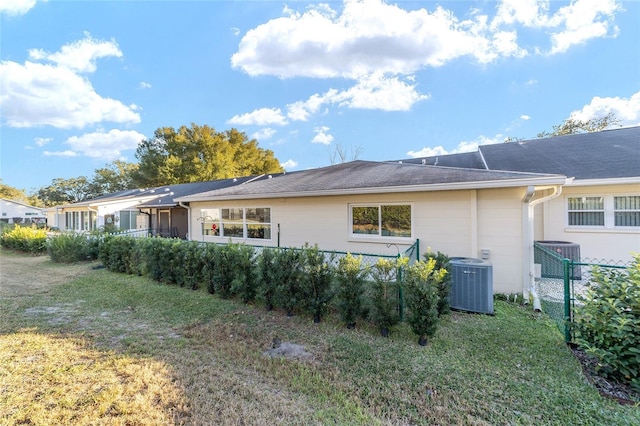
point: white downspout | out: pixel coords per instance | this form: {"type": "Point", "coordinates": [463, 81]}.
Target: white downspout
{"type": "Point", "coordinates": [529, 288]}
{"type": "Point", "coordinates": [181, 204]}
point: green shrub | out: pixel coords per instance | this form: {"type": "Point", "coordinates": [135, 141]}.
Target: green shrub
{"type": "Point", "coordinates": [350, 276]}
{"type": "Point", "coordinates": [116, 254]}
{"type": "Point", "coordinates": [316, 282]}
{"type": "Point", "coordinates": [287, 266]}
{"type": "Point", "coordinates": [444, 285]}
{"type": "Point", "coordinates": [209, 266]}
{"type": "Point", "coordinates": [73, 247]}
{"type": "Point", "coordinates": [25, 239]}
{"type": "Point", "coordinates": [421, 282]}
{"type": "Point", "coordinates": [607, 323]}
{"type": "Point", "coordinates": [233, 272]}
{"type": "Point", "coordinates": [244, 283]}
{"type": "Point", "coordinates": [267, 277]}
{"type": "Point", "coordinates": [384, 298]}
{"type": "Point", "coordinates": [194, 265]}
{"type": "Point", "coordinates": [154, 255]}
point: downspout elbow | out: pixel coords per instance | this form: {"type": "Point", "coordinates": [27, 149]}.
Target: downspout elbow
{"type": "Point", "coordinates": [186, 206]}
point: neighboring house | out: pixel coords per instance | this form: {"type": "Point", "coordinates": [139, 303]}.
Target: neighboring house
{"type": "Point", "coordinates": [374, 207]}
{"type": "Point", "coordinates": [150, 209]}
{"type": "Point", "coordinates": [16, 212]}
{"type": "Point", "coordinates": [168, 218]}
{"type": "Point", "coordinates": [599, 209]}
{"type": "Point", "coordinates": [117, 211]}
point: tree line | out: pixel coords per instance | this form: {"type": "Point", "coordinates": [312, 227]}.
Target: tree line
{"type": "Point", "coordinates": [188, 154]}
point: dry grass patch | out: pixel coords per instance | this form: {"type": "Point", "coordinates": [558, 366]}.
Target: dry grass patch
{"type": "Point", "coordinates": [49, 380]}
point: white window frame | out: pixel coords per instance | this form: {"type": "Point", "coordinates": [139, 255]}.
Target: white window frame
{"type": "Point", "coordinates": [609, 212]}
{"type": "Point", "coordinates": [634, 210]}
{"type": "Point", "coordinates": [379, 236]}
{"type": "Point", "coordinates": [219, 222]}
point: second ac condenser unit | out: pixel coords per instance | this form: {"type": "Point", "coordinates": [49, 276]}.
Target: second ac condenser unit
{"type": "Point", "coordinates": [471, 285]}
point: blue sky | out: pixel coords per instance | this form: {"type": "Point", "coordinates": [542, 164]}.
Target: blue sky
{"type": "Point", "coordinates": [81, 82]}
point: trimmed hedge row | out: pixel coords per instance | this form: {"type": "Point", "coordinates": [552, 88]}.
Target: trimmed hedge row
{"type": "Point", "coordinates": [304, 280]}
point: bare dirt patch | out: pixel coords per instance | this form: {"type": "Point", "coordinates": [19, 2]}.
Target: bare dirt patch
{"type": "Point", "coordinates": [27, 275]}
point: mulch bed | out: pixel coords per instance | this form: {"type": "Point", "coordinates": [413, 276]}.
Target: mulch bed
{"type": "Point", "coordinates": [609, 388]}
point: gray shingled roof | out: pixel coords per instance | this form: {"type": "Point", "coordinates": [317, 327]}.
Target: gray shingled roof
{"type": "Point", "coordinates": [184, 189]}
{"type": "Point", "coordinates": [467, 160]}
{"type": "Point", "coordinates": [601, 155]}
{"type": "Point", "coordinates": [362, 175]}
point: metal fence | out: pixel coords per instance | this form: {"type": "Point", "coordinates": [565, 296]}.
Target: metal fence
{"type": "Point", "coordinates": [368, 261]}
{"type": "Point", "coordinates": [559, 280]}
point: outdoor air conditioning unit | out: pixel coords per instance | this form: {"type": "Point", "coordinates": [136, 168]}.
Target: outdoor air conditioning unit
{"type": "Point", "coordinates": [471, 285]}
{"type": "Point", "coordinates": [551, 255]}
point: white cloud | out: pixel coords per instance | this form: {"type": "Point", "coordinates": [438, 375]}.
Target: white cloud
{"type": "Point", "coordinates": [583, 20]}
{"type": "Point", "coordinates": [16, 7]}
{"type": "Point", "coordinates": [36, 94]}
{"type": "Point", "coordinates": [264, 134]}
{"type": "Point", "coordinates": [107, 146]}
{"type": "Point", "coordinates": [260, 117]}
{"type": "Point", "coordinates": [380, 92]}
{"type": "Point", "coordinates": [573, 24]}
{"type": "Point", "coordinates": [366, 36]}
{"type": "Point", "coordinates": [373, 91]}
{"type": "Point", "coordinates": [289, 164]}
{"type": "Point", "coordinates": [464, 146]}
{"type": "Point", "coordinates": [144, 85]}
{"type": "Point", "coordinates": [531, 82]}
{"type": "Point", "coordinates": [525, 117]}
{"type": "Point", "coordinates": [42, 141]}
{"type": "Point", "coordinates": [60, 153]}
{"type": "Point", "coordinates": [627, 110]}
{"type": "Point", "coordinates": [300, 110]}
{"type": "Point", "coordinates": [322, 136]}
{"type": "Point", "coordinates": [79, 56]}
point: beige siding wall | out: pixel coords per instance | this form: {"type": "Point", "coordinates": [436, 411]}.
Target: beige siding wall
{"type": "Point", "coordinates": [596, 243]}
{"type": "Point", "coordinates": [458, 223]}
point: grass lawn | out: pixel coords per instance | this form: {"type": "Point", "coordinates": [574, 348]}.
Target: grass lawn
{"type": "Point", "coordinates": [103, 348]}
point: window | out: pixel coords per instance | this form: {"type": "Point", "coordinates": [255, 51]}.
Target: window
{"type": "Point", "coordinates": [381, 220]}
{"type": "Point", "coordinates": [620, 211]}
{"type": "Point", "coordinates": [128, 219]}
{"type": "Point", "coordinates": [586, 211]}
{"type": "Point", "coordinates": [237, 222]}
{"type": "Point", "coordinates": [626, 210]}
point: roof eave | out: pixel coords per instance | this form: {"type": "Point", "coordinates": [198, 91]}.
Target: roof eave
{"type": "Point", "coordinates": [607, 181]}
{"type": "Point", "coordinates": [492, 184]}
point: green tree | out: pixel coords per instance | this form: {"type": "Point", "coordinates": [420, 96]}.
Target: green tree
{"type": "Point", "coordinates": [199, 153]}
{"type": "Point", "coordinates": [571, 126]}
{"type": "Point", "coordinates": [11, 193]}
{"type": "Point", "coordinates": [116, 176]}
{"type": "Point", "coordinates": [64, 191]}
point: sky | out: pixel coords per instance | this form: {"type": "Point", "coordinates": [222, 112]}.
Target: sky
{"type": "Point", "coordinates": [82, 82]}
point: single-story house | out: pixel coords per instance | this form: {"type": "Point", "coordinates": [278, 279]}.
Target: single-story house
{"type": "Point", "coordinates": [382, 208]}
{"type": "Point", "coordinates": [492, 203]}
{"type": "Point", "coordinates": [166, 217]}
{"type": "Point", "coordinates": [598, 209]}
{"type": "Point", "coordinates": [12, 211]}
{"type": "Point", "coordinates": [117, 211]}
{"type": "Point", "coordinates": [149, 209]}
